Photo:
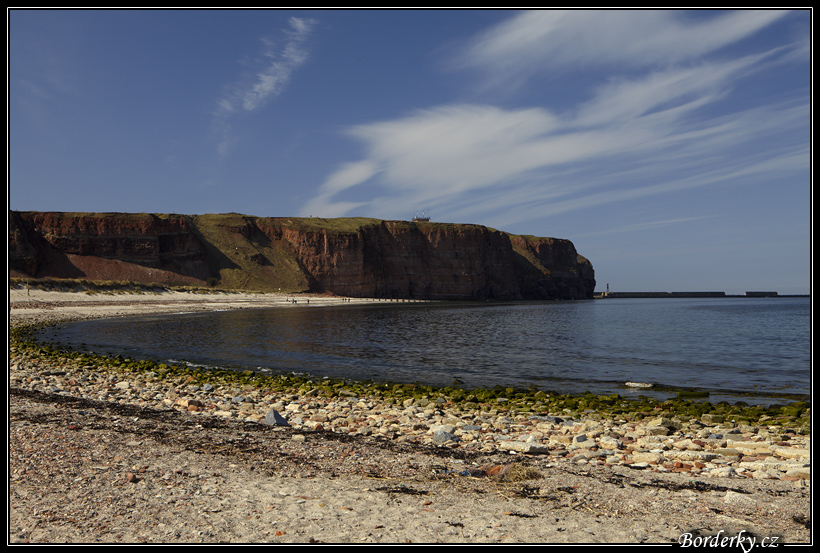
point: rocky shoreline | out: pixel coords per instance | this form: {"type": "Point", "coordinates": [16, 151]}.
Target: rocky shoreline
{"type": "Point", "coordinates": [713, 450]}
{"type": "Point", "coordinates": [711, 447]}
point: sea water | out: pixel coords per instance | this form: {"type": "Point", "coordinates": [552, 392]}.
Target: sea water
{"type": "Point", "coordinates": [757, 346]}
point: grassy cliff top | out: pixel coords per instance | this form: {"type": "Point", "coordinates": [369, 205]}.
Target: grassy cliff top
{"type": "Point", "coordinates": [332, 224]}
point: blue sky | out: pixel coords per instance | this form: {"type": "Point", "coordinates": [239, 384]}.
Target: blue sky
{"type": "Point", "coordinates": [671, 147]}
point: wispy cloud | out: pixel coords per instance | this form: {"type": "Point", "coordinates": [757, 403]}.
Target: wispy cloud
{"type": "Point", "coordinates": [530, 160]}
{"type": "Point", "coordinates": [273, 78]}
{"type": "Point", "coordinates": [622, 140]}
{"type": "Point", "coordinates": [644, 226]}
{"type": "Point", "coordinates": [549, 40]}
{"type": "Point", "coordinates": [347, 176]}
{"type": "Point", "coordinates": [268, 82]}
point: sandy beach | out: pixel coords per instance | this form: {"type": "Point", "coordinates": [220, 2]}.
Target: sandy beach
{"type": "Point", "coordinates": [100, 457]}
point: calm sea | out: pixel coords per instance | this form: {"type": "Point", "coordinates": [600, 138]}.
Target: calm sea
{"type": "Point", "coordinates": [758, 345]}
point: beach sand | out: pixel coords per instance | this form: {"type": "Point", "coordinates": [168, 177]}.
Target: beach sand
{"type": "Point", "coordinates": [86, 470]}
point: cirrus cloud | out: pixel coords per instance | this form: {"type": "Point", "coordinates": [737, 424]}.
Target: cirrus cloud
{"type": "Point", "coordinates": [622, 139]}
{"type": "Point", "coordinates": [268, 82]}
{"type": "Point", "coordinates": [549, 40]}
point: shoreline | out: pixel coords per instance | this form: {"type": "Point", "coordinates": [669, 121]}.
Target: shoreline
{"type": "Point", "coordinates": [68, 306]}
{"type": "Point", "coordinates": [49, 306]}
{"type": "Point", "coordinates": [749, 465]}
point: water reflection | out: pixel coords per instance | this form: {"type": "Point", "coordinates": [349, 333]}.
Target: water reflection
{"type": "Point", "coordinates": [729, 344]}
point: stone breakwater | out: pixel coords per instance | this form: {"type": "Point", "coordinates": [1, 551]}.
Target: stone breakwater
{"type": "Point", "coordinates": [707, 447]}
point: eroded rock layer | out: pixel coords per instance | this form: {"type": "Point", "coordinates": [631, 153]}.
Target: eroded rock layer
{"type": "Point", "coordinates": [354, 257]}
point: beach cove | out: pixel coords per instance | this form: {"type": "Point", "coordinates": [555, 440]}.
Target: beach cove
{"type": "Point", "coordinates": [177, 456]}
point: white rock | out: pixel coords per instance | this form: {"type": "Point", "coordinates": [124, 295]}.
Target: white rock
{"type": "Point", "coordinates": [781, 466]}
{"type": "Point", "coordinates": [608, 442]}
{"type": "Point", "coordinates": [691, 455]}
{"type": "Point", "coordinates": [736, 498]}
{"type": "Point", "coordinates": [792, 452]}
{"type": "Point", "coordinates": [639, 457]}
{"type": "Point", "coordinates": [524, 447]}
{"type": "Point", "coordinates": [800, 472]}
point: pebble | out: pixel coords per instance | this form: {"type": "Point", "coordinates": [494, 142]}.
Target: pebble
{"type": "Point", "coordinates": [524, 447]}
{"type": "Point", "coordinates": [709, 447]}
{"type": "Point", "coordinates": [442, 436]}
{"type": "Point", "coordinates": [273, 418]}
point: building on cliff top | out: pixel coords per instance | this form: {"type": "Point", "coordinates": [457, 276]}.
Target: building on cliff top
{"type": "Point", "coordinates": [423, 218]}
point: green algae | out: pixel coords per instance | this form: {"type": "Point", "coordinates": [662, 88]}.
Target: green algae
{"type": "Point", "coordinates": [795, 415]}
{"type": "Point", "coordinates": [692, 393]}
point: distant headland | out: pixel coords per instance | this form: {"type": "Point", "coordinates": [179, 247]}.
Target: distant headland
{"type": "Point", "coordinates": [351, 256]}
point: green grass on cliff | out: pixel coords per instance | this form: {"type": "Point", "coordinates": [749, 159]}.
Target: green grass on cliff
{"type": "Point", "coordinates": [245, 258]}
{"type": "Point", "coordinates": [342, 225]}
{"type": "Point", "coordinates": [106, 287]}
{"type": "Point", "coordinates": [108, 214]}
{"type": "Point", "coordinates": [334, 225]}
{"type": "Point", "coordinates": [528, 238]}
{"type": "Point", "coordinates": [246, 255]}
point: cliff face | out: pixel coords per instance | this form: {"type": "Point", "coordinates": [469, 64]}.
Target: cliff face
{"type": "Point", "coordinates": [551, 268]}
{"type": "Point", "coordinates": [106, 246]}
{"type": "Point", "coordinates": [395, 259]}
{"type": "Point", "coordinates": [349, 256]}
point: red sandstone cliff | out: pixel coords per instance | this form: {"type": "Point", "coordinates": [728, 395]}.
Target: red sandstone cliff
{"type": "Point", "coordinates": [106, 246]}
{"type": "Point", "coordinates": [397, 259]}
{"type": "Point", "coordinates": [349, 256]}
{"type": "Point", "coordinates": [551, 268]}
